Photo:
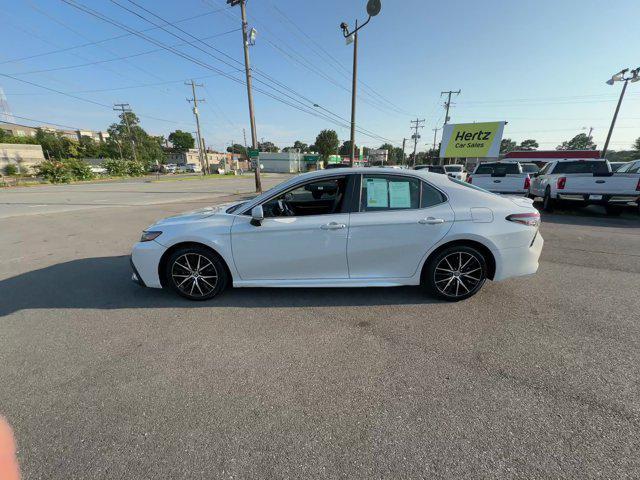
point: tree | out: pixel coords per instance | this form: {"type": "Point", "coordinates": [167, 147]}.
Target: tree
{"type": "Point", "coordinates": [182, 141]}
{"type": "Point", "coordinates": [299, 146]}
{"type": "Point", "coordinates": [579, 142]}
{"type": "Point", "coordinates": [391, 160]}
{"type": "Point", "coordinates": [327, 143]}
{"type": "Point", "coordinates": [636, 145]}
{"type": "Point", "coordinates": [345, 148]}
{"type": "Point", "coordinates": [528, 145]}
{"type": "Point", "coordinates": [397, 157]}
{"type": "Point", "coordinates": [237, 149]}
{"type": "Point", "coordinates": [148, 148]}
{"type": "Point", "coordinates": [268, 147]}
{"type": "Point", "coordinates": [507, 145]}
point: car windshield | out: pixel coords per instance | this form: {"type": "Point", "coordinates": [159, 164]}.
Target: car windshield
{"type": "Point", "coordinates": [582, 166]}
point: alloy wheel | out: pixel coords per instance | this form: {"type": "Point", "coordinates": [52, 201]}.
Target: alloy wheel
{"type": "Point", "coordinates": [194, 274]}
{"type": "Point", "coordinates": [458, 274]}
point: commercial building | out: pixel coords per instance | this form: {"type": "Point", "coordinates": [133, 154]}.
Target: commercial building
{"type": "Point", "coordinates": [24, 157]}
{"type": "Point", "coordinates": [288, 162]}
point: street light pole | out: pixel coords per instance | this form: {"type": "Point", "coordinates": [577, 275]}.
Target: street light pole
{"type": "Point", "coordinates": [373, 9]}
{"type": "Point", "coordinates": [247, 68]}
{"type": "Point", "coordinates": [619, 77]}
{"type": "Point", "coordinates": [354, 85]}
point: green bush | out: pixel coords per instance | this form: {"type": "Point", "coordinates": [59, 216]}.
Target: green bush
{"type": "Point", "coordinates": [64, 171]}
{"type": "Point", "coordinates": [124, 168]}
{"type": "Point", "coordinates": [78, 169]}
{"type": "Point", "coordinates": [11, 169]}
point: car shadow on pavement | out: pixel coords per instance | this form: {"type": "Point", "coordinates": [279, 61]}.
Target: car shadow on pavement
{"type": "Point", "coordinates": [590, 218]}
{"type": "Point", "coordinates": [104, 283]}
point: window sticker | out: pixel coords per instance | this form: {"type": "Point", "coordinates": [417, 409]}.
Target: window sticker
{"type": "Point", "coordinates": [377, 193]}
{"type": "Point", "coordinates": [399, 195]}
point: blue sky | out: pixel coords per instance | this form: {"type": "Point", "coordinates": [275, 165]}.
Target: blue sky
{"type": "Point", "coordinates": [539, 65]}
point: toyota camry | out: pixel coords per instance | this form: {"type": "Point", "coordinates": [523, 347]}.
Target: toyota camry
{"type": "Point", "coordinates": [356, 227]}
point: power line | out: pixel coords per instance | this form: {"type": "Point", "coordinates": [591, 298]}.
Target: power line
{"type": "Point", "coordinates": [117, 37]}
{"type": "Point", "coordinates": [188, 57]}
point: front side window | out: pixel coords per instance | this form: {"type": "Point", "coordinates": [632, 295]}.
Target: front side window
{"type": "Point", "coordinates": [322, 197]}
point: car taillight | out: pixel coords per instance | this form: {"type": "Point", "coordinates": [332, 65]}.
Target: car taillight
{"type": "Point", "coordinates": [638, 186]}
{"type": "Point", "coordinates": [528, 219]}
{"type": "Point", "coordinates": [562, 181]}
{"type": "Point", "coordinates": [469, 179]}
{"type": "Point", "coordinates": [527, 183]}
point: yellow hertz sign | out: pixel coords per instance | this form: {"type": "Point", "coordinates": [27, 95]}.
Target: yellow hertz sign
{"type": "Point", "coordinates": [472, 140]}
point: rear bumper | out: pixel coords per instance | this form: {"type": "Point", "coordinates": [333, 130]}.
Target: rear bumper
{"type": "Point", "coordinates": [519, 261]}
{"type": "Point", "coordinates": [605, 199]}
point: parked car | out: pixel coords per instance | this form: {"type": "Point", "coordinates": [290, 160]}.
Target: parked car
{"type": "Point", "coordinates": [337, 165]}
{"type": "Point", "coordinates": [98, 170]}
{"type": "Point", "coordinates": [501, 177]}
{"type": "Point", "coordinates": [585, 182]}
{"type": "Point", "coordinates": [170, 168]}
{"type": "Point", "coordinates": [617, 165]}
{"type": "Point", "coordinates": [628, 167]}
{"type": "Point", "coordinates": [456, 171]}
{"type": "Point", "coordinates": [431, 168]}
{"type": "Point", "coordinates": [530, 168]}
{"type": "Point", "coordinates": [346, 228]}
{"type": "Point", "coordinates": [192, 168]}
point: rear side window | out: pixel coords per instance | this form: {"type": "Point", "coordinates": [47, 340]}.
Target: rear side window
{"type": "Point", "coordinates": [382, 192]}
{"type": "Point", "coordinates": [497, 168]}
{"type": "Point", "coordinates": [529, 167]}
{"type": "Point", "coordinates": [581, 167]}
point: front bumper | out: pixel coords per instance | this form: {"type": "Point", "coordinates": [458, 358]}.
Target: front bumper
{"type": "Point", "coordinates": [145, 259]}
{"type": "Point", "coordinates": [135, 276]}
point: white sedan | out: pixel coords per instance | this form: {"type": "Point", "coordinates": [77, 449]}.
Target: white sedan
{"type": "Point", "coordinates": [355, 227]}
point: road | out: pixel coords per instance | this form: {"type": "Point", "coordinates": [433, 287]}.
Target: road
{"type": "Point", "coordinates": [134, 192]}
{"type": "Point", "coordinates": [532, 378]}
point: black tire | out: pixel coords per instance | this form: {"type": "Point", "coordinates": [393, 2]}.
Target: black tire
{"type": "Point", "coordinates": [547, 202]}
{"type": "Point", "coordinates": [613, 210]}
{"type": "Point", "coordinates": [453, 269]}
{"type": "Point", "coordinates": [196, 273]}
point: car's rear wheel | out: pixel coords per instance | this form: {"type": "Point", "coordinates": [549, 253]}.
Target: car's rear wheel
{"type": "Point", "coordinates": [456, 273]}
{"type": "Point", "coordinates": [196, 273]}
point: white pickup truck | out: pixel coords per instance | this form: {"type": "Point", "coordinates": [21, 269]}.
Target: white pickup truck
{"type": "Point", "coordinates": [501, 177]}
{"type": "Point", "coordinates": [585, 182]}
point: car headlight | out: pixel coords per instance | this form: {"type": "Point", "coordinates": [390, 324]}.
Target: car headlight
{"type": "Point", "coordinates": [149, 235]}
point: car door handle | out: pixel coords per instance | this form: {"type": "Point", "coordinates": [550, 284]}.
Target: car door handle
{"type": "Point", "coordinates": [333, 226]}
{"type": "Point", "coordinates": [430, 221]}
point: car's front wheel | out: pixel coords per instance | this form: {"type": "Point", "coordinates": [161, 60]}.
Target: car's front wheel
{"type": "Point", "coordinates": [196, 273]}
{"type": "Point", "coordinates": [456, 273]}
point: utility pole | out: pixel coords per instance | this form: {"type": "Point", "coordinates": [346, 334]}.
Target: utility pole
{"type": "Point", "coordinates": [195, 101]}
{"type": "Point", "coordinates": [404, 141]}
{"type": "Point", "coordinates": [435, 133]}
{"type": "Point", "coordinates": [447, 105]}
{"type": "Point", "coordinates": [634, 76]}
{"type": "Point", "coordinates": [416, 124]}
{"type": "Point", "coordinates": [126, 108]}
{"type": "Point", "coordinates": [247, 68]}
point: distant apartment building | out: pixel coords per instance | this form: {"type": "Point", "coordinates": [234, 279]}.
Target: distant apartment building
{"type": "Point", "coordinates": [18, 130]}
{"type": "Point", "coordinates": [25, 157]}
{"type": "Point", "coordinates": [216, 160]}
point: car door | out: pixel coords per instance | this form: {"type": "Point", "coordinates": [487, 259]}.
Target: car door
{"type": "Point", "coordinates": [303, 238]}
{"type": "Point", "coordinates": [399, 219]}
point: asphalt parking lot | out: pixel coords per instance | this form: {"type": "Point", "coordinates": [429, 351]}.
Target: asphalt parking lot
{"type": "Point", "coordinates": [532, 378]}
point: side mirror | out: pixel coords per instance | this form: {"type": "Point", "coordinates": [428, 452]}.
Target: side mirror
{"type": "Point", "coordinates": [257, 215]}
